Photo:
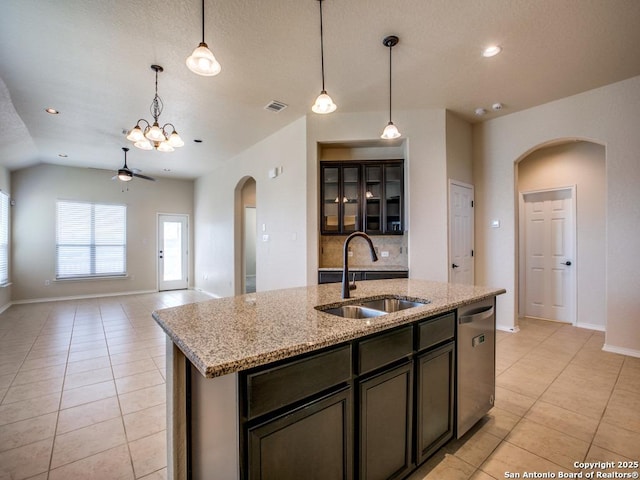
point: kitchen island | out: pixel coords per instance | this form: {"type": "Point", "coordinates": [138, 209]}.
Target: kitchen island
{"type": "Point", "coordinates": [241, 370]}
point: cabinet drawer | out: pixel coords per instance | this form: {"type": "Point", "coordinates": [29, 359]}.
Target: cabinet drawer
{"type": "Point", "coordinates": [384, 349]}
{"type": "Point", "coordinates": [436, 330]}
{"type": "Point", "coordinates": [268, 390]}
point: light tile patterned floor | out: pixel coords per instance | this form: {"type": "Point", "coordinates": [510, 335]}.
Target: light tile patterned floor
{"type": "Point", "coordinates": [82, 388]}
{"type": "Point", "coordinates": [82, 396]}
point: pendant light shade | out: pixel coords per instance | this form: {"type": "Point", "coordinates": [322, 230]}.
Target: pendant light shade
{"type": "Point", "coordinates": [390, 131]}
{"type": "Point", "coordinates": [324, 103]}
{"type": "Point", "coordinates": [201, 61]}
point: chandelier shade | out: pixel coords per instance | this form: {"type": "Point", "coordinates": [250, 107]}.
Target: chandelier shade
{"type": "Point", "coordinates": [165, 138]}
{"type": "Point", "coordinates": [324, 103]}
{"type": "Point", "coordinates": [202, 61]}
{"type": "Point", "coordinates": [390, 131]}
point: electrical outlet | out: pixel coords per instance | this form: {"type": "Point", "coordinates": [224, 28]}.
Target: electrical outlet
{"type": "Point", "coordinates": [384, 254]}
{"type": "Point", "coordinates": [47, 283]}
{"type": "Point", "coordinates": [350, 254]}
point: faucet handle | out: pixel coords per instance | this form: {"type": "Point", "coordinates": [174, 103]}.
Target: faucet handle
{"type": "Point", "coordinates": [352, 285]}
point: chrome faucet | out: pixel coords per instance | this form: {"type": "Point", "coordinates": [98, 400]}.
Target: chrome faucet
{"type": "Point", "coordinates": [345, 261]}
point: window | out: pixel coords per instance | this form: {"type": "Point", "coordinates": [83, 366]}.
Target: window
{"type": "Point", "coordinates": [91, 240]}
{"type": "Point", "coordinates": [4, 238]}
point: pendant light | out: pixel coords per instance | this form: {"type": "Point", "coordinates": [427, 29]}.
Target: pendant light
{"type": "Point", "coordinates": [324, 103]}
{"type": "Point", "coordinates": [201, 61]}
{"type": "Point", "coordinates": [390, 131]}
{"type": "Point", "coordinates": [154, 136]}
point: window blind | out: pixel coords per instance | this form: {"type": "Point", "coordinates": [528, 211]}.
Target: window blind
{"type": "Point", "coordinates": [4, 238]}
{"type": "Point", "coordinates": [90, 239]}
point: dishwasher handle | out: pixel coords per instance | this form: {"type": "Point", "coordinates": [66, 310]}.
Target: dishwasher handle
{"type": "Point", "coordinates": [481, 315]}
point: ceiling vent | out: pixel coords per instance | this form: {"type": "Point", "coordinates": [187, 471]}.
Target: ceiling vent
{"type": "Point", "coordinates": [275, 106]}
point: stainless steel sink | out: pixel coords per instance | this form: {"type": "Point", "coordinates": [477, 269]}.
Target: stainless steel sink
{"type": "Point", "coordinates": [354, 311]}
{"type": "Point", "coordinates": [372, 308]}
{"type": "Point", "coordinates": [391, 305]}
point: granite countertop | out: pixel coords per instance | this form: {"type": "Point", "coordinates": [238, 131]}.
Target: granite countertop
{"type": "Point", "coordinates": [367, 268]}
{"type": "Point", "coordinates": [226, 335]}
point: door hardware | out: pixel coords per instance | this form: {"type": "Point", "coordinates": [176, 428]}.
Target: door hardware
{"type": "Point", "coordinates": [453, 265]}
{"type": "Point", "coordinates": [567, 263]}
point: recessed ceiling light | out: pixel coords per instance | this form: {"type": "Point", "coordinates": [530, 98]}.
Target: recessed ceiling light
{"type": "Point", "coordinates": [491, 51]}
{"type": "Point", "coordinates": [63, 155]}
{"type": "Point", "coordinates": [52, 111]}
{"type": "Point", "coordinates": [480, 112]}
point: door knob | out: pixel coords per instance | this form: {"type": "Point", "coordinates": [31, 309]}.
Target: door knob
{"type": "Point", "coordinates": [453, 265]}
{"type": "Point", "coordinates": [567, 263]}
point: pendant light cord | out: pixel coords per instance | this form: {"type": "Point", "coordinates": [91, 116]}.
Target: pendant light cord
{"type": "Point", "coordinates": [321, 45]}
{"type": "Point", "coordinates": [390, 48]}
{"type": "Point", "coordinates": [202, 21]}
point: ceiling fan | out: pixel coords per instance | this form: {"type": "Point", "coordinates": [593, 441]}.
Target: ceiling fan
{"type": "Point", "coordinates": [126, 174]}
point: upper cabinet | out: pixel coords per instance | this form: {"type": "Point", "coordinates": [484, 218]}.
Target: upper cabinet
{"type": "Point", "coordinates": [364, 195]}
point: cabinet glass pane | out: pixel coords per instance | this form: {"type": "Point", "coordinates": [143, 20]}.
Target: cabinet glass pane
{"type": "Point", "coordinates": [373, 188]}
{"type": "Point", "coordinates": [350, 200]}
{"type": "Point", "coordinates": [331, 199]}
{"type": "Point", "coordinates": [393, 198]}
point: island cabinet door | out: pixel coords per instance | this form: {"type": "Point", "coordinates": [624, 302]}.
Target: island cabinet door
{"type": "Point", "coordinates": [386, 403]}
{"type": "Point", "coordinates": [313, 442]}
{"type": "Point", "coordinates": [435, 398]}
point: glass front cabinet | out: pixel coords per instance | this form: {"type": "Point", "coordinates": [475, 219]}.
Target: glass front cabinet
{"type": "Point", "coordinates": [363, 195]}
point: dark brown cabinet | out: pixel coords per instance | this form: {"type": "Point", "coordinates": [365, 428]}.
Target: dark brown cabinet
{"type": "Point", "coordinates": [435, 368]}
{"type": "Point", "coordinates": [312, 442]}
{"type": "Point", "coordinates": [363, 195]}
{"type": "Point", "coordinates": [357, 275]}
{"type": "Point", "coordinates": [386, 405]}
{"type": "Point", "coordinates": [370, 409]}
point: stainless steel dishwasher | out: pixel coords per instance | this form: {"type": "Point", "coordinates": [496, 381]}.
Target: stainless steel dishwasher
{"type": "Point", "coordinates": [476, 358]}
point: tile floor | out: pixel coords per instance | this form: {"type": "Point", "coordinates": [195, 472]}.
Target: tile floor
{"type": "Point", "coordinates": [82, 396]}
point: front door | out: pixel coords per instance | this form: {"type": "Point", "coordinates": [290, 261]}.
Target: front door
{"type": "Point", "coordinates": [172, 252]}
{"type": "Point", "coordinates": [549, 235]}
{"type": "Point", "coordinates": [461, 233]}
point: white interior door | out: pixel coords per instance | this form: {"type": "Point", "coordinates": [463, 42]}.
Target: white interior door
{"type": "Point", "coordinates": [549, 235]}
{"type": "Point", "coordinates": [172, 252]}
{"type": "Point", "coordinates": [461, 223]}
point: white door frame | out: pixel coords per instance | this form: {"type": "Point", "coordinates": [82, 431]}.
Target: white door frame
{"type": "Point", "coordinates": [449, 236]}
{"type": "Point", "coordinates": [573, 296]}
{"type": "Point", "coordinates": [185, 254]}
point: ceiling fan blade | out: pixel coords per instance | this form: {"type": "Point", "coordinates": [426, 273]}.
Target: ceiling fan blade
{"type": "Point", "coordinates": [139, 175]}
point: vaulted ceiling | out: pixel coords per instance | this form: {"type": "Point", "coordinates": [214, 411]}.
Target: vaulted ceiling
{"type": "Point", "coordinates": [91, 61]}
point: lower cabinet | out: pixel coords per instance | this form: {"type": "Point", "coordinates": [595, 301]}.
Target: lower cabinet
{"type": "Point", "coordinates": [386, 402]}
{"type": "Point", "coordinates": [434, 409]}
{"type": "Point", "coordinates": [312, 442]}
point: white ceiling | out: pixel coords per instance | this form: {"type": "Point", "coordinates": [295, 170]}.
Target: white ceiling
{"type": "Point", "coordinates": [91, 60]}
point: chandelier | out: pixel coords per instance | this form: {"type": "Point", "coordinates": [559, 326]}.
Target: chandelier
{"type": "Point", "coordinates": [163, 139]}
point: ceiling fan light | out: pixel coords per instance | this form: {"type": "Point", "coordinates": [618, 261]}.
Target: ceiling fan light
{"type": "Point", "coordinates": [324, 104]}
{"type": "Point", "coordinates": [143, 144]}
{"type": "Point", "coordinates": [135, 134]}
{"type": "Point", "coordinates": [164, 147]}
{"type": "Point", "coordinates": [202, 62]}
{"type": "Point", "coordinates": [390, 131]}
{"type": "Point", "coordinates": [175, 140]}
{"type": "Point", "coordinates": [125, 176]}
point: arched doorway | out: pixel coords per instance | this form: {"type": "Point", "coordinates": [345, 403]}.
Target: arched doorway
{"type": "Point", "coordinates": [550, 180]}
{"type": "Point", "coordinates": [245, 236]}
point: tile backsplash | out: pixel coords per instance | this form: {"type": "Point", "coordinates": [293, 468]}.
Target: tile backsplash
{"type": "Point", "coordinates": [331, 251]}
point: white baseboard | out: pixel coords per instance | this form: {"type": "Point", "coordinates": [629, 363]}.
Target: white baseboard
{"type": "Point", "coordinates": [5, 306]}
{"type": "Point", "coordinates": [80, 297]}
{"type": "Point", "coordinates": [621, 350]}
{"type": "Point", "coordinates": [207, 293]}
{"type": "Point", "coordinates": [509, 329]}
{"type": "Point", "coordinates": [591, 326]}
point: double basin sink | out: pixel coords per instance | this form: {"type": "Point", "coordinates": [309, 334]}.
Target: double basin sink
{"type": "Point", "coordinates": [372, 308]}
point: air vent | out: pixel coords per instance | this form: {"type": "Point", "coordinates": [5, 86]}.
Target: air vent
{"type": "Point", "coordinates": [275, 106]}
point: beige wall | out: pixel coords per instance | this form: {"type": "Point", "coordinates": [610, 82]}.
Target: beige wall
{"type": "Point", "coordinates": [459, 149]}
{"type": "Point", "coordinates": [425, 182]}
{"type": "Point", "coordinates": [5, 292]}
{"type": "Point", "coordinates": [581, 164]}
{"type": "Point", "coordinates": [280, 207]}
{"type": "Point", "coordinates": [610, 116]}
{"type": "Point", "coordinates": [36, 190]}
